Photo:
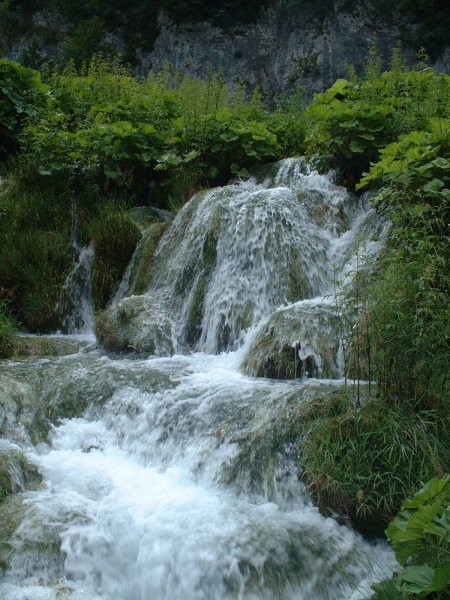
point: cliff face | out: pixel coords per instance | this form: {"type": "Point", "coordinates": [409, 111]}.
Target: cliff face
{"type": "Point", "coordinates": [282, 49]}
{"type": "Point", "coordinates": [286, 46]}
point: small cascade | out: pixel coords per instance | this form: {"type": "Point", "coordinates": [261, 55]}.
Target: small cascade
{"type": "Point", "coordinates": [235, 254]}
{"type": "Point", "coordinates": [164, 484]}
{"type": "Point", "coordinates": [76, 306]}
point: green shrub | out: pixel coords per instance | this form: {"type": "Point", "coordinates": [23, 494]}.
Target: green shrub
{"type": "Point", "coordinates": [362, 463]}
{"type": "Point", "coordinates": [128, 133]}
{"type": "Point", "coordinates": [409, 313]}
{"type": "Point", "coordinates": [115, 237]}
{"type": "Point", "coordinates": [352, 121]}
{"type": "Point", "coordinates": [22, 96]}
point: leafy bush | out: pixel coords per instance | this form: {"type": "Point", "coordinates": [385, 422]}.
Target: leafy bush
{"type": "Point", "coordinates": [352, 121]}
{"type": "Point", "coordinates": [22, 95]}
{"type": "Point", "coordinates": [420, 537]}
{"type": "Point", "coordinates": [129, 134]}
{"type": "Point", "coordinates": [363, 463]}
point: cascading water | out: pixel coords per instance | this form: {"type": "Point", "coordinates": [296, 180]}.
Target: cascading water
{"type": "Point", "coordinates": [76, 306]}
{"type": "Point", "coordinates": [175, 478]}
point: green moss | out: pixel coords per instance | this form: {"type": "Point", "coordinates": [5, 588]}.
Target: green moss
{"type": "Point", "coordinates": [209, 256]}
{"type": "Point", "coordinates": [15, 470]}
{"type": "Point", "coordinates": [141, 276]}
{"type": "Point", "coordinates": [11, 513]}
{"type": "Point", "coordinates": [41, 345]}
{"type": "Point", "coordinates": [106, 332]}
{"type": "Point", "coordinates": [115, 238]}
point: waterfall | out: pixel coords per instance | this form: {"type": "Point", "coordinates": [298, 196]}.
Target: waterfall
{"type": "Point", "coordinates": [234, 255]}
{"type": "Point", "coordinates": [76, 305]}
{"type": "Point", "coordinates": [176, 476]}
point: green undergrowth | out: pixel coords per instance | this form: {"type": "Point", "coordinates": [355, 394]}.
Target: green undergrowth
{"type": "Point", "coordinates": [8, 331]}
{"type": "Point", "coordinates": [82, 141]}
{"type": "Point", "coordinates": [361, 463]}
{"type": "Point", "coordinates": [35, 253]}
{"type": "Point", "coordinates": [157, 138]}
{"type": "Point", "coordinates": [355, 119]}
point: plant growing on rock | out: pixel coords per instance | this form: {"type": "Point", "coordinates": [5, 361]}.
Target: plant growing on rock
{"type": "Point", "coordinates": [22, 96]}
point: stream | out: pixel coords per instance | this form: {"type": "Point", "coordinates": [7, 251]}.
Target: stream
{"type": "Point", "coordinates": [170, 474]}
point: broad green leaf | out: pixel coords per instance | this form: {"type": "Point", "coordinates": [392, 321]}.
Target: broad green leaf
{"type": "Point", "coordinates": [386, 590]}
{"type": "Point", "coordinates": [441, 163]}
{"type": "Point", "coordinates": [428, 492]}
{"type": "Point", "coordinates": [416, 579]}
{"type": "Point", "coordinates": [433, 186]}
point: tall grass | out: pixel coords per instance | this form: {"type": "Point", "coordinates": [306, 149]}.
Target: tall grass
{"type": "Point", "coordinates": [361, 463]}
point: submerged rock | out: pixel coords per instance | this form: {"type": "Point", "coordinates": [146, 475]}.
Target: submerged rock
{"type": "Point", "coordinates": [34, 394]}
{"type": "Point", "coordinates": [301, 340]}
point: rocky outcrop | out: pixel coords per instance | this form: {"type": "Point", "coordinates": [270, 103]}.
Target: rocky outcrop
{"type": "Point", "coordinates": [137, 324]}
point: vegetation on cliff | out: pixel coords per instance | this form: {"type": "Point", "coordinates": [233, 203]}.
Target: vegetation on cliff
{"type": "Point", "coordinates": [77, 146]}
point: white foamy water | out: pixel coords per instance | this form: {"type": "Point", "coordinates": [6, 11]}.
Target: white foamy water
{"type": "Point", "coordinates": [158, 495]}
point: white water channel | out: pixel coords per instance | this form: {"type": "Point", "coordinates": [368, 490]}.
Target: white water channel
{"type": "Point", "coordinates": [169, 478]}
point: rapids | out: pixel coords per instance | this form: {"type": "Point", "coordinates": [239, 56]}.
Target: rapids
{"type": "Point", "coordinates": [175, 477]}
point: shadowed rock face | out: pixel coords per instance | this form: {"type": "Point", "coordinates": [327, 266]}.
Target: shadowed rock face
{"type": "Point", "coordinates": [286, 47]}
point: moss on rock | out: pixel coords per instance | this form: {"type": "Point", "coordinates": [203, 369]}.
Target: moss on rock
{"type": "Point", "coordinates": [15, 470]}
{"type": "Point", "coordinates": [138, 324]}
{"type": "Point", "coordinates": [115, 238]}
{"type": "Point", "coordinates": [141, 276]}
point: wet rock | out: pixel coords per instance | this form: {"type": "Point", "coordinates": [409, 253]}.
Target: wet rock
{"type": "Point", "coordinates": [137, 324]}
{"type": "Point", "coordinates": [36, 393]}
{"type": "Point", "coordinates": [15, 470]}
{"type": "Point", "coordinates": [48, 345]}
{"type": "Point", "coordinates": [301, 340]}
